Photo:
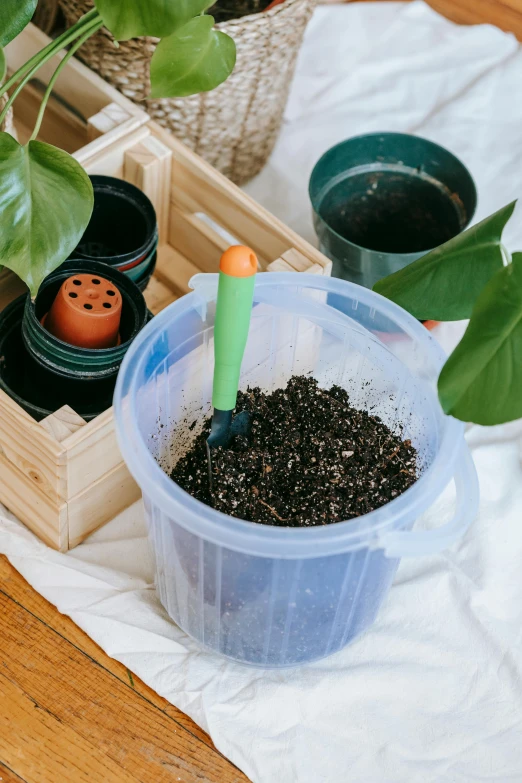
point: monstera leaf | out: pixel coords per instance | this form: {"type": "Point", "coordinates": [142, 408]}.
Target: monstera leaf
{"type": "Point", "coordinates": [46, 201]}
{"type": "Point", "coordinates": [14, 16]}
{"type": "Point", "coordinates": [159, 18]}
{"type": "Point", "coordinates": [196, 58]}
{"type": "Point", "coordinates": [444, 284]}
{"type": "Point", "coordinates": [482, 379]}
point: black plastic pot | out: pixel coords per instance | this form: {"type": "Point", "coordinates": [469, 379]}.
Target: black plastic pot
{"type": "Point", "coordinates": [123, 230]}
{"type": "Point", "coordinates": [382, 200]}
{"type": "Point", "coordinates": [69, 361]}
{"type": "Point", "coordinates": [41, 372]}
{"type": "Point", "coordinates": [37, 390]}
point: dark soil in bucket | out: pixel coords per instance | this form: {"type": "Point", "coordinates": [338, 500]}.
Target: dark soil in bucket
{"type": "Point", "coordinates": [310, 459]}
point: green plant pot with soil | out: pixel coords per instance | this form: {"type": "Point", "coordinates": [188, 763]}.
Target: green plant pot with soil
{"type": "Point", "coordinates": [290, 554]}
{"type": "Point", "coordinates": [382, 200]}
{"type": "Point", "coordinates": [43, 371]}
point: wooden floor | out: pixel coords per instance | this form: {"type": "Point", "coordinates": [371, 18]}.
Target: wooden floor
{"type": "Point", "coordinates": [70, 714]}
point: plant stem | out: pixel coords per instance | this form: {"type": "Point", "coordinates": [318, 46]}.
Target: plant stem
{"type": "Point", "coordinates": [506, 255]}
{"type": "Point", "coordinates": [72, 51]}
{"type": "Point", "coordinates": [41, 56]}
{"type": "Point", "coordinates": [48, 53]}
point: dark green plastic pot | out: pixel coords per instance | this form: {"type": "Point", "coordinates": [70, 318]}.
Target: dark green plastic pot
{"type": "Point", "coordinates": [69, 361]}
{"type": "Point", "coordinates": [382, 200]}
{"type": "Point", "coordinates": [123, 230]}
{"type": "Point", "coordinates": [37, 390]}
{"type": "Point", "coordinates": [42, 373]}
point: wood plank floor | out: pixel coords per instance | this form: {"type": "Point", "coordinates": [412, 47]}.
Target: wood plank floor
{"type": "Point", "coordinates": [70, 714]}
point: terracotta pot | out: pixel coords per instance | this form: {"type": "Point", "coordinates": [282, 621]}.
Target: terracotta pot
{"type": "Point", "coordinates": [86, 312]}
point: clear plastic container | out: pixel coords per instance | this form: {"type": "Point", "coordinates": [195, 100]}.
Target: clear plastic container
{"type": "Point", "coordinates": [272, 596]}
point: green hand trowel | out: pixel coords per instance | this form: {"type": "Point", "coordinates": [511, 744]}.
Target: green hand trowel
{"type": "Point", "coordinates": [237, 271]}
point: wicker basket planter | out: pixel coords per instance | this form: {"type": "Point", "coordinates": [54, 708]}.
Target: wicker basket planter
{"type": "Point", "coordinates": [234, 127]}
{"type": "Point", "coordinates": [46, 14]}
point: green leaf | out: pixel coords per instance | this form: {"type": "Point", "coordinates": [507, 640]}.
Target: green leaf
{"type": "Point", "coordinates": [159, 18]}
{"type": "Point", "coordinates": [195, 59]}
{"type": "Point", "coordinates": [3, 65]}
{"type": "Point", "coordinates": [444, 284]}
{"type": "Point", "coordinates": [482, 379]}
{"type": "Point", "coordinates": [14, 16]}
{"type": "Point", "coordinates": [46, 201]}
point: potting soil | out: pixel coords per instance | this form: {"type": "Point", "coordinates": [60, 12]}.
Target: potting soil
{"type": "Point", "coordinates": [310, 459]}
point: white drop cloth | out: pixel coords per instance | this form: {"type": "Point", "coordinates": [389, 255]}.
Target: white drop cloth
{"type": "Point", "coordinates": [433, 692]}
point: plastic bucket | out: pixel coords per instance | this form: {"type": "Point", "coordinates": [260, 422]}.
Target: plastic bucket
{"type": "Point", "coordinates": [382, 200]}
{"type": "Point", "coordinates": [271, 596]}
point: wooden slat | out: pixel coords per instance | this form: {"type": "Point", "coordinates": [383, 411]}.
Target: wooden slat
{"type": "Point", "coordinates": [32, 506]}
{"type": "Point", "coordinates": [196, 240]}
{"type": "Point", "coordinates": [62, 710]}
{"type": "Point", "coordinates": [62, 423]}
{"type": "Point", "coordinates": [175, 270]}
{"type": "Point", "coordinates": [106, 120]}
{"type": "Point", "coordinates": [300, 263]}
{"type": "Point", "coordinates": [294, 261]}
{"type": "Point", "coordinates": [106, 155]}
{"type": "Point", "coordinates": [92, 452]}
{"type": "Point", "coordinates": [158, 295]}
{"type": "Point", "coordinates": [148, 166]}
{"type": "Point", "coordinates": [37, 455]}
{"type": "Point", "coordinates": [279, 265]}
{"type": "Point", "coordinates": [100, 502]}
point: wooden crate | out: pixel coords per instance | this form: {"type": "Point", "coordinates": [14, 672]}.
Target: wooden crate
{"type": "Point", "coordinates": [64, 477]}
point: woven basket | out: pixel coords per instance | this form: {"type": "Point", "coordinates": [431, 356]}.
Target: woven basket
{"type": "Point", "coordinates": [46, 14]}
{"type": "Point", "coordinates": [235, 126]}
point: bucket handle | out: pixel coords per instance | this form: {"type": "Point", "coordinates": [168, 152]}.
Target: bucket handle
{"type": "Point", "coordinates": [411, 543]}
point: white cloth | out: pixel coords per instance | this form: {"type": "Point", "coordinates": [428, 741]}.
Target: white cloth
{"type": "Point", "coordinates": [433, 691]}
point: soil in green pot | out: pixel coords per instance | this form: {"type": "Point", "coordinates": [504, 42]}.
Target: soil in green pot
{"type": "Point", "coordinates": [310, 459]}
